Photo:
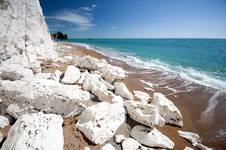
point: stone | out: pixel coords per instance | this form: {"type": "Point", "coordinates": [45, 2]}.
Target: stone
{"type": "Point", "coordinates": [167, 109]}
{"type": "Point", "coordinates": [43, 75]}
{"type": "Point", "coordinates": [100, 122]}
{"type": "Point", "coordinates": [43, 94]}
{"type": "Point", "coordinates": [24, 31]}
{"type": "Point", "coordinates": [14, 72]}
{"type": "Point", "coordinates": [119, 138]}
{"type": "Point", "coordinates": [143, 113]}
{"type": "Point", "coordinates": [16, 111]}
{"type": "Point", "coordinates": [151, 137]}
{"type": "Point", "coordinates": [140, 95]}
{"type": "Point", "coordinates": [71, 75]}
{"type": "Point", "coordinates": [121, 89]}
{"type": "Point", "coordinates": [107, 147]}
{"type": "Point", "coordinates": [3, 122]}
{"type": "Point", "coordinates": [130, 144]}
{"type": "Point", "coordinates": [86, 148]}
{"type": "Point", "coordinates": [148, 148]}
{"type": "Point", "coordinates": [56, 75]}
{"type": "Point", "coordinates": [188, 148]}
{"type": "Point", "coordinates": [117, 99]}
{"type": "Point", "coordinates": [194, 139]}
{"type": "Point", "coordinates": [95, 84]}
{"type": "Point", "coordinates": [88, 62]}
{"type": "Point", "coordinates": [112, 73]}
{"type": "Point", "coordinates": [36, 131]}
{"type": "Point", "coordinates": [82, 77]}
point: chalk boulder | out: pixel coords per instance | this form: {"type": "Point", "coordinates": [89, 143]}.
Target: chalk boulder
{"type": "Point", "coordinates": [3, 122]}
{"type": "Point", "coordinates": [143, 113]}
{"type": "Point", "coordinates": [98, 87]}
{"type": "Point", "coordinates": [71, 75]}
{"type": "Point", "coordinates": [107, 147]}
{"type": "Point", "coordinates": [121, 89]}
{"type": "Point", "coordinates": [140, 95]}
{"type": "Point", "coordinates": [151, 137]}
{"type": "Point", "coordinates": [130, 144]}
{"type": "Point", "coordinates": [56, 75]}
{"type": "Point", "coordinates": [194, 139]}
{"type": "Point", "coordinates": [100, 122]}
{"type": "Point", "coordinates": [167, 109]}
{"type": "Point", "coordinates": [36, 131]}
{"type": "Point", "coordinates": [119, 138]}
{"type": "Point", "coordinates": [14, 72]}
{"type": "Point", "coordinates": [43, 94]}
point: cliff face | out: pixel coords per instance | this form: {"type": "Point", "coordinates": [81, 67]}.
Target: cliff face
{"type": "Point", "coordinates": [23, 31]}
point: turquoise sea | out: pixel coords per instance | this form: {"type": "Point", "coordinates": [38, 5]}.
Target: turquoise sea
{"type": "Point", "coordinates": [199, 60]}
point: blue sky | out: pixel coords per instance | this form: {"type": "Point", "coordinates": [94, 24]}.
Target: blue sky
{"type": "Point", "coordinates": [137, 18]}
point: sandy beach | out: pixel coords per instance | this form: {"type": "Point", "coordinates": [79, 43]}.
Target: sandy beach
{"type": "Point", "coordinates": [190, 103]}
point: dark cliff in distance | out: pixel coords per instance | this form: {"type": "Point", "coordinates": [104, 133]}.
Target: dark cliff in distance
{"type": "Point", "coordinates": [59, 36]}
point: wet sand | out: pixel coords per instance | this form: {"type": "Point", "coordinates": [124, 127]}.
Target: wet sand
{"type": "Point", "coordinates": [190, 98]}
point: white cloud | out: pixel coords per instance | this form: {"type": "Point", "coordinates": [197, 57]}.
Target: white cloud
{"type": "Point", "coordinates": [81, 18]}
{"type": "Point", "coordinates": [88, 8]}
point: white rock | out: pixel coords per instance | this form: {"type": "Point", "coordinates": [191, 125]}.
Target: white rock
{"type": "Point", "coordinates": [16, 111]}
{"type": "Point", "coordinates": [119, 138]}
{"type": "Point", "coordinates": [24, 31]}
{"type": "Point", "coordinates": [188, 148]}
{"type": "Point", "coordinates": [100, 122]}
{"type": "Point", "coordinates": [36, 131]}
{"type": "Point", "coordinates": [117, 99]}
{"type": "Point", "coordinates": [82, 77]}
{"type": "Point", "coordinates": [86, 148]}
{"type": "Point", "coordinates": [14, 72]}
{"type": "Point", "coordinates": [43, 75]}
{"type": "Point", "coordinates": [140, 95]}
{"type": "Point", "coordinates": [167, 109]}
{"type": "Point", "coordinates": [112, 73]}
{"type": "Point", "coordinates": [107, 147]}
{"type": "Point", "coordinates": [130, 144]}
{"type": "Point", "coordinates": [151, 137]}
{"type": "Point", "coordinates": [88, 62]}
{"type": "Point", "coordinates": [45, 95]}
{"type": "Point", "coordinates": [144, 113]}
{"type": "Point", "coordinates": [56, 75]}
{"type": "Point", "coordinates": [71, 75]}
{"type": "Point", "coordinates": [194, 139]}
{"type": "Point", "coordinates": [95, 84]}
{"type": "Point", "coordinates": [121, 89]}
{"type": "Point", "coordinates": [3, 122]}
{"type": "Point", "coordinates": [148, 148]}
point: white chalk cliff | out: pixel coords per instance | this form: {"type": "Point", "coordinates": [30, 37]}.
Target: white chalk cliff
{"type": "Point", "coordinates": [23, 32]}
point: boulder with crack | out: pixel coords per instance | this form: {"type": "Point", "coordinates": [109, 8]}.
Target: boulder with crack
{"type": "Point", "coordinates": [95, 84]}
{"type": "Point", "coordinates": [71, 75]}
{"type": "Point", "coordinates": [167, 109]}
{"type": "Point", "coordinates": [14, 72]}
{"type": "Point", "coordinates": [100, 122]}
{"type": "Point", "coordinates": [151, 137]}
{"type": "Point", "coordinates": [140, 95]}
{"type": "Point", "coordinates": [43, 94]}
{"type": "Point", "coordinates": [36, 131]}
{"type": "Point", "coordinates": [194, 139]}
{"type": "Point", "coordinates": [144, 113]}
{"type": "Point", "coordinates": [122, 90]}
{"type": "Point", "coordinates": [112, 73]}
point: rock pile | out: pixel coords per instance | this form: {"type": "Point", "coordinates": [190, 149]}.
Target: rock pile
{"type": "Point", "coordinates": [90, 89]}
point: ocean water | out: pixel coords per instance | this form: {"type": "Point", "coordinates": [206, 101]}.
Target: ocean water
{"type": "Point", "coordinates": [202, 61]}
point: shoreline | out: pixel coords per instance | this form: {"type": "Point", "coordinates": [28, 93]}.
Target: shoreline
{"type": "Point", "coordinates": [133, 83]}
{"type": "Point", "coordinates": [191, 103]}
